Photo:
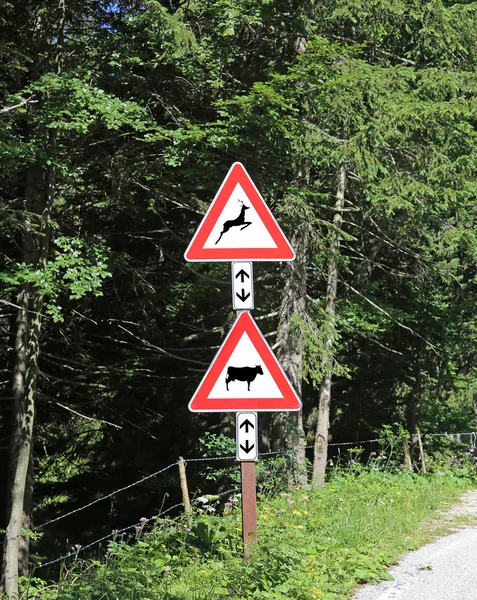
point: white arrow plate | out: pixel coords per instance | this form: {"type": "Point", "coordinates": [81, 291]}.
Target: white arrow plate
{"type": "Point", "coordinates": [247, 436]}
{"type": "Point", "coordinates": [242, 285]}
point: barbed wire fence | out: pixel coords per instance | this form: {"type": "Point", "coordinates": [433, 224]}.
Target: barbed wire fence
{"type": "Point", "coordinates": [78, 549]}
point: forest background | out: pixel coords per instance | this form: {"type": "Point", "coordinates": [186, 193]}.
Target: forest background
{"type": "Point", "coordinates": [119, 120]}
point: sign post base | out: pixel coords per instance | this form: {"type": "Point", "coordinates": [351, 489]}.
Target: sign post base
{"type": "Point", "coordinates": [249, 507]}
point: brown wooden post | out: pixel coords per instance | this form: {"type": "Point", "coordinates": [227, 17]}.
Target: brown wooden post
{"type": "Point", "coordinates": [421, 452]}
{"type": "Point", "coordinates": [249, 506]}
{"type": "Point", "coordinates": [407, 454]}
{"type": "Point", "coordinates": [184, 488]}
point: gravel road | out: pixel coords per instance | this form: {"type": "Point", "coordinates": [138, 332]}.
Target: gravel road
{"type": "Point", "coordinates": [443, 570]}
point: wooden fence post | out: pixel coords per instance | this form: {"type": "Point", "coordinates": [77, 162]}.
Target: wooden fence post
{"type": "Point", "coordinates": [407, 454]}
{"type": "Point", "coordinates": [184, 488]}
{"type": "Point", "coordinates": [421, 452]}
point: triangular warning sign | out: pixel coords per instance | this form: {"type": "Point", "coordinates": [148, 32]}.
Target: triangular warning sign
{"type": "Point", "coordinates": [238, 225]}
{"type": "Point", "coordinates": [244, 375]}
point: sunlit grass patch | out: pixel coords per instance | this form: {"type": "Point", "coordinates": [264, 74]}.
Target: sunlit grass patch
{"type": "Point", "coordinates": [313, 543]}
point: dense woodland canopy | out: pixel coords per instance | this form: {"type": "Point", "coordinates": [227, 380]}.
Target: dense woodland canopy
{"type": "Point", "coordinates": [357, 120]}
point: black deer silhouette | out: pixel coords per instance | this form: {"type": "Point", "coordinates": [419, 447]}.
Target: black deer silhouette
{"type": "Point", "coordinates": [240, 220]}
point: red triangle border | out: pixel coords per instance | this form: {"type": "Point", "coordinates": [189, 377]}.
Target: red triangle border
{"type": "Point", "coordinates": [202, 403]}
{"type": "Point", "coordinates": [196, 251]}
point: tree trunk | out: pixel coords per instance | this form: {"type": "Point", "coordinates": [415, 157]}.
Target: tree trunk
{"type": "Point", "coordinates": [38, 204]}
{"type": "Point", "coordinates": [413, 397]}
{"type": "Point", "coordinates": [323, 424]}
{"type": "Point", "coordinates": [227, 424]}
{"type": "Point", "coordinates": [38, 201]}
{"type": "Point", "coordinates": [17, 517]}
{"type": "Point", "coordinates": [287, 428]}
{"type": "Point", "coordinates": [17, 541]}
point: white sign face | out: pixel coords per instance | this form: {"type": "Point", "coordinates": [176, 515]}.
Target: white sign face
{"type": "Point", "coordinates": [245, 375]}
{"type": "Point", "coordinates": [247, 436]}
{"type": "Point", "coordinates": [242, 285]}
{"type": "Point", "coordinates": [239, 225]}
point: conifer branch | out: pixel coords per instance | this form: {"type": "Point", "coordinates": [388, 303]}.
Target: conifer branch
{"type": "Point", "coordinates": [84, 416]}
{"type": "Point", "coordinates": [393, 319]}
{"type": "Point", "coordinates": [401, 59]}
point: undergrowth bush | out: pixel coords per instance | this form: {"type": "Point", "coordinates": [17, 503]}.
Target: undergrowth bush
{"type": "Point", "coordinates": [272, 475]}
{"type": "Point", "coordinates": [313, 543]}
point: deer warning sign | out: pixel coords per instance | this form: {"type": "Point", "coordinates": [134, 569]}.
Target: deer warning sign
{"type": "Point", "coordinates": [244, 375]}
{"type": "Point", "coordinates": [238, 225]}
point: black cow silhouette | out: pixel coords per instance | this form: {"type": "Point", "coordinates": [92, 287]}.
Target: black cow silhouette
{"type": "Point", "coordinates": [240, 220]}
{"type": "Point", "coordinates": [247, 374]}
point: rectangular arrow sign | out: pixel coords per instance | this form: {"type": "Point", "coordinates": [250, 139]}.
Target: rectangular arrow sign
{"type": "Point", "coordinates": [247, 436]}
{"type": "Point", "coordinates": [242, 285]}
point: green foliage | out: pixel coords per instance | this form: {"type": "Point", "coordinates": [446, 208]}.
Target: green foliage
{"type": "Point", "coordinates": [74, 105]}
{"type": "Point", "coordinates": [391, 445]}
{"type": "Point", "coordinates": [316, 360]}
{"type": "Point", "coordinates": [272, 474]}
{"type": "Point", "coordinates": [214, 445]}
{"type": "Point", "coordinates": [81, 438]}
{"type": "Point", "coordinates": [78, 267]}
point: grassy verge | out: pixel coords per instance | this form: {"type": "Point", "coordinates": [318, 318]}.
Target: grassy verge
{"type": "Point", "coordinates": [312, 544]}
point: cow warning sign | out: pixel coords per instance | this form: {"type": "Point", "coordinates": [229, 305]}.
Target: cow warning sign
{"type": "Point", "coordinates": [244, 375]}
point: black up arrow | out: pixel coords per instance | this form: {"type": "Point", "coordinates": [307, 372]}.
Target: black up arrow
{"type": "Point", "coordinates": [243, 296]}
{"type": "Point", "coordinates": [247, 424]}
{"type": "Point", "coordinates": [242, 274]}
{"type": "Point", "coordinates": [247, 448]}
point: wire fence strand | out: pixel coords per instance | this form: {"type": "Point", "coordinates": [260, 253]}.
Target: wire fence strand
{"type": "Point", "coordinates": [209, 458]}
{"type": "Point", "coordinates": [145, 520]}
{"type": "Point", "coordinates": [126, 487]}
{"type": "Point", "coordinates": [283, 452]}
{"type": "Point", "coordinates": [114, 533]}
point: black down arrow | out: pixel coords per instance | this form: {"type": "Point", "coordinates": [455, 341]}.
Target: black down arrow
{"type": "Point", "coordinates": [247, 448]}
{"type": "Point", "coordinates": [243, 296]}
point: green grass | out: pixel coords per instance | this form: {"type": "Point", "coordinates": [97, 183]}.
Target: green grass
{"type": "Point", "coordinates": [312, 544]}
